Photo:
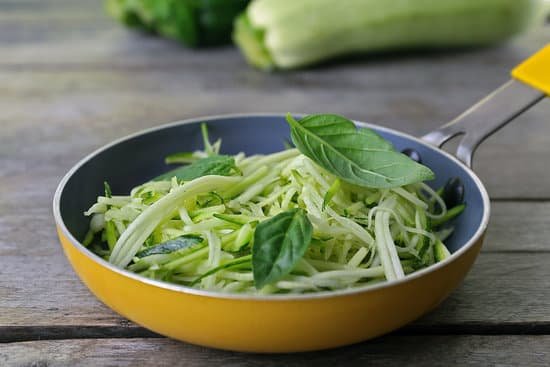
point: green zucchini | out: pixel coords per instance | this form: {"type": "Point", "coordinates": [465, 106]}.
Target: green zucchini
{"type": "Point", "coordinates": [441, 252]}
{"type": "Point", "coordinates": [245, 260]}
{"type": "Point", "coordinates": [289, 34]}
{"type": "Point", "coordinates": [451, 214]}
{"type": "Point", "coordinates": [424, 242]}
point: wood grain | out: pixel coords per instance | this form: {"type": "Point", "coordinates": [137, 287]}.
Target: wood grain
{"type": "Point", "coordinates": [72, 80]}
{"type": "Point", "coordinates": [503, 292]}
{"type": "Point", "coordinates": [393, 350]}
{"type": "Point", "coordinates": [63, 115]}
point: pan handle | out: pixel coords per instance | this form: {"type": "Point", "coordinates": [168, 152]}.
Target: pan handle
{"type": "Point", "coordinates": [530, 84]}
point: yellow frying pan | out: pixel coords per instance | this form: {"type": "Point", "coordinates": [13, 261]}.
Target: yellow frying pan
{"type": "Point", "coordinates": [286, 323]}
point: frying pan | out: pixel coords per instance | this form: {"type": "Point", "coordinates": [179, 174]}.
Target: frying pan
{"type": "Point", "coordinates": [286, 323]}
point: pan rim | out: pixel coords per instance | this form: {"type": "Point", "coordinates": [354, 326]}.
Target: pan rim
{"type": "Point", "coordinates": [273, 297]}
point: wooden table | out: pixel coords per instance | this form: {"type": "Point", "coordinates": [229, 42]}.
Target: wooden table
{"type": "Point", "coordinates": [71, 80]}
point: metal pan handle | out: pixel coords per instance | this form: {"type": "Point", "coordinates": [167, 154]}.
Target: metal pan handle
{"type": "Point", "coordinates": [530, 84]}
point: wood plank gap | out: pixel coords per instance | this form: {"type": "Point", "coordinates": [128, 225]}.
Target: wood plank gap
{"type": "Point", "coordinates": [12, 334]}
{"type": "Point", "coordinates": [478, 328]}
{"type": "Point", "coordinates": [504, 251]}
{"type": "Point", "coordinates": [520, 200]}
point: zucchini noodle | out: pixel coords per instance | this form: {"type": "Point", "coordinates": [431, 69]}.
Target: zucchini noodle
{"type": "Point", "coordinates": [360, 235]}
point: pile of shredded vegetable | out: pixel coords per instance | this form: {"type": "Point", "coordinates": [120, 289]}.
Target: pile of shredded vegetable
{"type": "Point", "coordinates": [200, 232]}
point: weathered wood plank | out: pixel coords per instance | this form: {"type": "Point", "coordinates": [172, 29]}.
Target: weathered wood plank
{"type": "Point", "coordinates": [518, 227]}
{"type": "Point", "coordinates": [32, 262]}
{"type": "Point", "coordinates": [41, 11]}
{"type": "Point", "coordinates": [503, 289]}
{"type": "Point", "coordinates": [393, 350]}
{"type": "Point", "coordinates": [64, 116]}
{"type": "Point", "coordinates": [72, 80]}
{"type": "Point", "coordinates": [65, 102]}
{"type": "Point", "coordinates": [24, 22]}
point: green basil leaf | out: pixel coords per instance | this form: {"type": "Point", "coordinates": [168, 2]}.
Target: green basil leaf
{"type": "Point", "coordinates": [357, 155]}
{"type": "Point", "coordinates": [170, 246]}
{"type": "Point", "coordinates": [221, 165]}
{"type": "Point", "coordinates": [279, 242]}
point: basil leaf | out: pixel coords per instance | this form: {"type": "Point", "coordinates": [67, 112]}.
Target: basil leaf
{"type": "Point", "coordinates": [358, 156]}
{"type": "Point", "coordinates": [221, 165]}
{"type": "Point", "coordinates": [171, 246]}
{"type": "Point", "coordinates": [279, 243]}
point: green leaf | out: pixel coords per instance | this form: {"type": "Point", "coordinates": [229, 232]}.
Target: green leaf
{"type": "Point", "coordinates": [358, 156]}
{"type": "Point", "coordinates": [220, 165]}
{"type": "Point", "coordinates": [279, 243]}
{"type": "Point", "coordinates": [170, 246]}
{"type": "Point", "coordinates": [192, 22]}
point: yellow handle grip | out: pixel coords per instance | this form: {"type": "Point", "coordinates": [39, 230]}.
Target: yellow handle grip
{"type": "Point", "coordinates": [535, 71]}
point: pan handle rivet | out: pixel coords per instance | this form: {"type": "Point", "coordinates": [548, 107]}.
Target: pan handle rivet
{"type": "Point", "coordinates": [412, 154]}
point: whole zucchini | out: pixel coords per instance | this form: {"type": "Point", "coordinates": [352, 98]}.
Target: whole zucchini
{"type": "Point", "coordinates": [290, 33]}
{"type": "Point", "coordinates": [192, 22]}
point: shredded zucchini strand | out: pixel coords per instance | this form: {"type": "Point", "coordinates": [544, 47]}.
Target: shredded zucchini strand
{"type": "Point", "coordinates": [360, 235]}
